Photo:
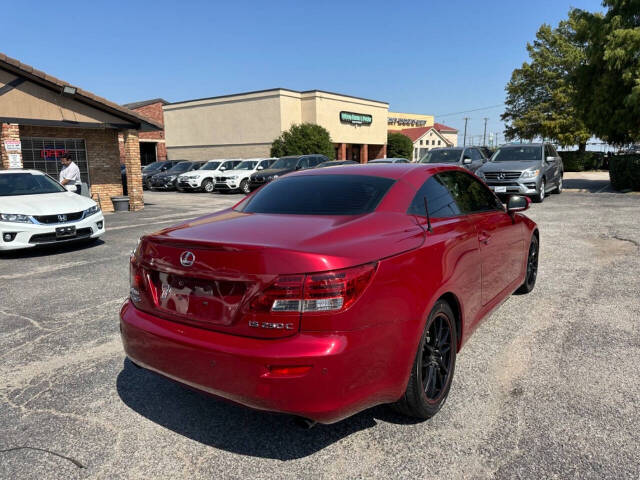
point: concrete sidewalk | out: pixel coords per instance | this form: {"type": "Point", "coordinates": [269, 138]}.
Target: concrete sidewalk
{"type": "Point", "coordinates": [589, 182]}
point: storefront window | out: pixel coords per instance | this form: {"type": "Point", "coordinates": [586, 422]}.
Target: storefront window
{"type": "Point", "coordinates": [44, 154]}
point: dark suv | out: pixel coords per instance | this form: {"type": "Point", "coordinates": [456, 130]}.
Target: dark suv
{"type": "Point", "coordinates": [533, 169]}
{"type": "Point", "coordinates": [154, 168]}
{"type": "Point", "coordinates": [471, 158]}
{"type": "Point", "coordinates": [167, 180]}
{"type": "Point", "coordinates": [284, 165]}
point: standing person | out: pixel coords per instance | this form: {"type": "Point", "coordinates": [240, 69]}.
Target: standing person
{"type": "Point", "coordinates": [70, 174]}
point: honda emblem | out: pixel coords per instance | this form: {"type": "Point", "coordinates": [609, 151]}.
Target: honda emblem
{"type": "Point", "coordinates": [62, 218]}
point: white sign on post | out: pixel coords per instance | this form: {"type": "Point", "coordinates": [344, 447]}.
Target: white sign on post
{"type": "Point", "coordinates": [12, 145]}
{"type": "Point", "coordinates": [15, 160]}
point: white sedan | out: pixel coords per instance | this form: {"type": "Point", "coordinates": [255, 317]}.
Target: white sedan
{"type": "Point", "coordinates": [37, 210]}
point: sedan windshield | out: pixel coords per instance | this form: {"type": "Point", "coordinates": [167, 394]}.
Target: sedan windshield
{"type": "Point", "coordinates": [153, 166]}
{"type": "Point", "coordinates": [320, 195]}
{"type": "Point", "coordinates": [246, 165]}
{"type": "Point", "coordinates": [12, 184]}
{"type": "Point", "coordinates": [517, 153]}
{"type": "Point", "coordinates": [210, 166]}
{"type": "Point", "coordinates": [451, 155]}
{"type": "Point", "coordinates": [285, 162]}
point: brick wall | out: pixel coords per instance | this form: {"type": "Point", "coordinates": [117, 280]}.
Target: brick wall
{"type": "Point", "coordinates": [134, 170]}
{"type": "Point", "coordinates": [8, 131]}
{"type": "Point", "coordinates": [102, 154]}
{"type": "Point", "coordinates": [154, 112]}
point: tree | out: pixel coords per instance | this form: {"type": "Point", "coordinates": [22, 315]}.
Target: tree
{"type": "Point", "coordinates": [609, 80]}
{"type": "Point", "coordinates": [541, 95]}
{"type": "Point", "coordinates": [303, 139]}
{"type": "Point", "coordinates": [399, 146]}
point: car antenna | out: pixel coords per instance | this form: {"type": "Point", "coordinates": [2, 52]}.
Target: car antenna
{"type": "Point", "coordinates": [426, 209]}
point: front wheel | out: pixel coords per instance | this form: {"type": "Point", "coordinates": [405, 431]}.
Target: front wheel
{"type": "Point", "coordinates": [433, 366]}
{"type": "Point", "coordinates": [532, 267]}
{"type": "Point", "coordinates": [207, 185]}
{"type": "Point", "coordinates": [539, 197]}
{"type": "Point", "coordinates": [244, 187]}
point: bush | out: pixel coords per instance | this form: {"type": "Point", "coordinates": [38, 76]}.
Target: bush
{"type": "Point", "coordinates": [624, 172]}
{"type": "Point", "coordinates": [303, 139]}
{"type": "Point", "coordinates": [576, 161]}
{"type": "Point", "coordinates": [399, 146]}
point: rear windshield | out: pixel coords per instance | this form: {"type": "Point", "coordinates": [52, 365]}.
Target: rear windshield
{"type": "Point", "coordinates": [12, 184]}
{"type": "Point", "coordinates": [508, 154]}
{"type": "Point", "coordinates": [320, 195]}
{"type": "Point", "coordinates": [442, 156]}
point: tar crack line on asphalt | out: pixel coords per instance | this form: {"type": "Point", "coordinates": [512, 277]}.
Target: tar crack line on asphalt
{"type": "Point", "coordinates": [72, 460]}
{"type": "Point", "coordinates": [627, 240]}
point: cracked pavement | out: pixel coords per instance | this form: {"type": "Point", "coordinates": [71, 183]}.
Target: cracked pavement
{"type": "Point", "coordinates": [548, 386]}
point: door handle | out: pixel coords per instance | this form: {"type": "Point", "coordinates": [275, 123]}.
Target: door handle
{"type": "Point", "coordinates": [484, 237]}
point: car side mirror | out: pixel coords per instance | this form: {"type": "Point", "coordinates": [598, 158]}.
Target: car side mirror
{"type": "Point", "coordinates": [551, 159]}
{"type": "Point", "coordinates": [222, 169]}
{"type": "Point", "coordinates": [518, 203]}
{"type": "Point", "coordinates": [260, 167]}
{"type": "Point", "coordinates": [164, 169]}
{"type": "Point", "coordinates": [466, 161]}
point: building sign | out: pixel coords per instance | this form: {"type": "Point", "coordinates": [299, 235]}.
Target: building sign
{"type": "Point", "coordinates": [52, 152]}
{"type": "Point", "coordinates": [12, 145]}
{"type": "Point", "coordinates": [15, 160]}
{"type": "Point", "coordinates": [406, 122]}
{"type": "Point", "coordinates": [356, 118]}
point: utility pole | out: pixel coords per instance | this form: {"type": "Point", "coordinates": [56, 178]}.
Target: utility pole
{"type": "Point", "coordinates": [464, 142]}
{"type": "Point", "coordinates": [484, 135]}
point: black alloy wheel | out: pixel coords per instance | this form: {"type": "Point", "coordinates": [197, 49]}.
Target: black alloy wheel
{"type": "Point", "coordinates": [244, 187]}
{"type": "Point", "coordinates": [434, 365]}
{"type": "Point", "coordinates": [532, 266]}
{"type": "Point", "coordinates": [207, 185]}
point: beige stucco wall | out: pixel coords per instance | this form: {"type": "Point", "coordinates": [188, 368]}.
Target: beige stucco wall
{"type": "Point", "coordinates": [244, 125]}
{"type": "Point", "coordinates": [451, 138]}
{"type": "Point", "coordinates": [34, 102]}
{"type": "Point", "coordinates": [419, 118]}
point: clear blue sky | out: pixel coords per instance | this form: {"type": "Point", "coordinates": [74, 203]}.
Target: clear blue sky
{"type": "Point", "coordinates": [421, 57]}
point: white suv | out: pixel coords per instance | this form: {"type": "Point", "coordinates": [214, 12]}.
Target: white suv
{"type": "Point", "coordinates": [204, 177]}
{"type": "Point", "coordinates": [238, 178]}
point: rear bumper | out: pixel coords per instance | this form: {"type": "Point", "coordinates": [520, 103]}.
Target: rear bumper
{"type": "Point", "coordinates": [345, 375]}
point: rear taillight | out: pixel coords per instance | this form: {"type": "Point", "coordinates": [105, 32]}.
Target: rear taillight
{"type": "Point", "coordinates": [136, 281]}
{"type": "Point", "coordinates": [332, 291]}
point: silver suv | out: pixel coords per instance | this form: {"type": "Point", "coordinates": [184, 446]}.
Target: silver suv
{"type": "Point", "coordinates": [532, 169]}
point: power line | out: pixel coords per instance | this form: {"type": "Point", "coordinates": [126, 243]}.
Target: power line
{"type": "Point", "coordinates": [467, 111]}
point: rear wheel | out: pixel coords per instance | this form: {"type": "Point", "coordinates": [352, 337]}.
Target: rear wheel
{"type": "Point", "coordinates": [559, 187]}
{"type": "Point", "coordinates": [207, 185]}
{"type": "Point", "coordinates": [539, 197]}
{"type": "Point", "coordinates": [532, 267]}
{"type": "Point", "coordinates": [433, 366]}
{"type": "Point", "coordinates": [244, 187]}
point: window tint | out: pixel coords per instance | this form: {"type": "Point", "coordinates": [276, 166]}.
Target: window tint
{"type": "Point", "coordinates": [470, 194]}
{"type": "Point", "coordinates": [475, 154]}
{"type": "Point", "coordinates": [441, 203]}
{"type": "Point", "coordinates": [320, 195]}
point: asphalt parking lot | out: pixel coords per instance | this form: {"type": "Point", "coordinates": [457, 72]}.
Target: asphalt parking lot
{"type": "Point", "coordinates": [549, 385]}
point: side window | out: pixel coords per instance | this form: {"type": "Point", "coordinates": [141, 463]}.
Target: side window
{"type": "Point", "coordinates": [470, 194]}
{"type": "Point", "coordinates": [303, 163]}
{"type": "Point", "coordinates": [475, 154]}
{"type": "Point", "coordinates": [227, 165]}
{"type": "Point", "coordinates": [441, 203]}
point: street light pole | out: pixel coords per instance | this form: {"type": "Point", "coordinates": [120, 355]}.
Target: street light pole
{"type": "Point", "coordinates": [484, 135]}
{"type": "Point", "coordinates": [464, 142]}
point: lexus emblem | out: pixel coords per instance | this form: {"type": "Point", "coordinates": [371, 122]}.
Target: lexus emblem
{"type": "Point", "coordinates": [187, 258]}
{"type": "Point", "coordinates": [62, 218]}
{"type": "Point", "coordinates": [501, 175]}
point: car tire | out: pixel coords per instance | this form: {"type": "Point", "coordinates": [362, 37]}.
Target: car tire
{"type": "Point", "coordinates": [532, 267]}
{"type": "Point", "coordinates": [244, 187]}
{"type": "Point", "coordinates": [207, 185]}
{"type": "Point", "coordinates": [539, 197]}
{"type": "Point", "coordinates": [433, 366]}
{"type": "Point", "coordinates": [558, 189]}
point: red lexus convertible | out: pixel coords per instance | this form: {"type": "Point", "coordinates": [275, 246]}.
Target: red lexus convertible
{"type": "Point", "coordinates": [330, 291]}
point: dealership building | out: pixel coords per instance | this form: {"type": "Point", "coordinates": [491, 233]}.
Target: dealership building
{"type": "Point", "coordinates": [244, 125]}
{"type": "Point", "coordinates": [43, 117]}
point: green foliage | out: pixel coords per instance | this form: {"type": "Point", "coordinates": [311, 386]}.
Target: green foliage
{"type": "Point", "coordinates": [541, 95]}
{"type": "Point", "coordinates": [399, 146]}
{"type": "Point", "coordinates": [608, 81]}
{"type": "Point", "coordinates": [303, 139]}
{"type": "Point", "coordinates": [624, 172]}
{"type": "Point", "coordinates": [577, 161]}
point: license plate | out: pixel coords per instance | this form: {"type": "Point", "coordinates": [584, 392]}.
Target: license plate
{"type": "Point", "coordinates": [65, 232]}
{"type": "Point", "coordinates": [501, 189]}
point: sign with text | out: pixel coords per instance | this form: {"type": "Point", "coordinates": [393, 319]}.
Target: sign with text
{"type": "Point", "coordinates": [52, 153]}
{"type": "Point", "coordinates": [406, 122]}
{"type": "Point", "coordinates": [356, 118]}
{"type": "Point", "coordinates": [12, 145]}
{"type": "Point", "coordinates": [15, 160]}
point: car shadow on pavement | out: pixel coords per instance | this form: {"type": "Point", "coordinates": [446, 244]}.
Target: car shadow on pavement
{"type": "Point", "coordinates": [49, 250]}
{"type": "Point", "coordinates": [232, 427]}
{"type": "Point", "coordinates": [588, 185]}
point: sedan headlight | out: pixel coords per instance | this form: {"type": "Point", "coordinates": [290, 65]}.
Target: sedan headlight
{"type": "Point", "coordinates": [530, 173]}
{"type": "Point", "coordinates": [15, 217]}
{"type": "Point", "coordinates": [91, 211]}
